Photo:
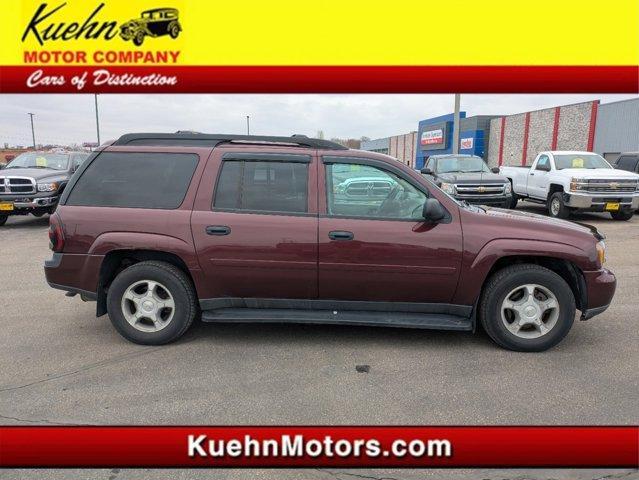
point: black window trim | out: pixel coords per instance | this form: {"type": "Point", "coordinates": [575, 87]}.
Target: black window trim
{"type": "Point", "coordinates": [96, 153]}
{"type": "Point", "coordinates": [257, 157]}
{"type": "Point", "coordinates": [331, 159]}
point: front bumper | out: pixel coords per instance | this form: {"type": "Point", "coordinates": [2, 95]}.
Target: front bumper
{"type": "Point", "coordinates": [28, 203]}
{"type": "Point", "coordinates": [600, 289]}
{"type": "Point", "coordinates": [597, 202]}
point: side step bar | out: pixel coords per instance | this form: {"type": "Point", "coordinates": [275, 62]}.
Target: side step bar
{"type": "Point", "coordinates": [434, 321]}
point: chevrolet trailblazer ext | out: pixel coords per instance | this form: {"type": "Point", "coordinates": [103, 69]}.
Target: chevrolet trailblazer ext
{"type": "Point", "coordinates": [161, 229]}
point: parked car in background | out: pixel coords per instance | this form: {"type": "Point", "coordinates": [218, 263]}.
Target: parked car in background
{"type": "Point", "coordinates": [467, 177]}
{"type": "Point", "coordinates": [628, 161]}
{"type": "Point", "coordinates": [33, 181]}
{"type": "Point", "coordinates": [568, 181]}
{"type": "Point", "coordinates": [161, 229]}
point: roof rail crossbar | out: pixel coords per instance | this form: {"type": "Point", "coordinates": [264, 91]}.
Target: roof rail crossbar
{"type": "Point", "coordinates": [211, 140]}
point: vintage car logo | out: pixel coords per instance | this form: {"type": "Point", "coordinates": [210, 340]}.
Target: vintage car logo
{"type": "Point", "coordinates": [152, 23]}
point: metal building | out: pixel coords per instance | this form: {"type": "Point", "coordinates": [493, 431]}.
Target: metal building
{"type": "Point", "coordinates": [617, 128]}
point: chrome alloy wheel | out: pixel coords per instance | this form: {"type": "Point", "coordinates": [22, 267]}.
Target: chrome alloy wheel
{"type": "Point", "coordinates": [148, 306]}
{"type": "Point", "coordinates": [530, 311]}
{"type": "Point", "coordinates": [555, 207]}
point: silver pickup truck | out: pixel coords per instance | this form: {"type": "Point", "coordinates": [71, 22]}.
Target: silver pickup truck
{"type": "Point", "coordinates": [567, 181]}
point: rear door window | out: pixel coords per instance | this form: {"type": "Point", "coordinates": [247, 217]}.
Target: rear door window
{"type": "Point", "coordinates": [262, 186]}
{"type": "Point", "coordinates": [135, 180]}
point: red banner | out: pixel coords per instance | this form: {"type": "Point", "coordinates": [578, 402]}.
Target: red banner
{"type": "Point", "coordinates": [420, 447]}
{"type": "Point", "coordinates": [319, 79]}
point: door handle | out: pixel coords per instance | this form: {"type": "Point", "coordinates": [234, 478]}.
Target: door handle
{"type": "Point", "coordinates": [532, 174]}
{"type": "Point", "coordinates": [218, 230]}
{"type": "Point", "coordinates": [340, 235]}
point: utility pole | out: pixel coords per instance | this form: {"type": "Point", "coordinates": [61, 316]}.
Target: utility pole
{"type": "Point", "coordinates": [97, 120]}
{"type": "Point", "coordinates": [248, 125]}
{"type": "Point", "coordinates": [456, 125]}
{"type": "Point", "coordinates": [32, 130]}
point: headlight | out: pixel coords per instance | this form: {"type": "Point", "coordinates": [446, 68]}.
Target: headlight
{"type": "Point", "coordinates": [449, 188]}
{"type": "Point", "coordinates": [508, 188]}
{"type": "Point", "coordinates": [601, 252]}
{"type": "Point", "coordinates": [578, 184]}
{"type": "Point", "coordinates": [47, 187]}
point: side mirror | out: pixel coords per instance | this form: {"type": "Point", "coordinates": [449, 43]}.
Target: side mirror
{"type": "Point", "coordinates": [495, 169]}
{"type": "Point", "coordinates": [433, 210]}
{"type": "Point", "coordinates": [426, 171]}
{"type": "Point", "coordinates": [543, 168]}
{"type": "Point", "coordinates": [2, 165]}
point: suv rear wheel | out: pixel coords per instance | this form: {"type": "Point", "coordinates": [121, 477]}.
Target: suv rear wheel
{"type": "Point", "coordinates": [527, 308]}
{"type": "Point", "coordinates": [152, 303]}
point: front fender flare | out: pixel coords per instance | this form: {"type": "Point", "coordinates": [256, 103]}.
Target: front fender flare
{"type": "Point", "coordinates": [476, 268]}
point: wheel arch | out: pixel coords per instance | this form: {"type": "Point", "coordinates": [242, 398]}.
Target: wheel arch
{"type": "Point", "coordinates": [565, 260]}
{"type": "Point", "coordinates": [118, 260]}
{"type": "Point", "coordinates": [554, 188]}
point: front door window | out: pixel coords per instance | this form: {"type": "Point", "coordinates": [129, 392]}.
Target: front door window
{"type": "Point", "coordinates": [364, 191]}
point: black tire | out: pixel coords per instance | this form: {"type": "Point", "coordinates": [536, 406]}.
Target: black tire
{"type": "Point", "coordinates": [504, 281]}
{"type": "Point", "coordinates": [138, 40]}
{"type": "Point", "coordinates": [3, 219]}
{"type": "Point", "coordinates": [512, 204]}
{"type": "Point", "coordinates": [556, 206]}
{"type": "Point", "coordinates": [174, 31]}
{"type": "Point", "coordinates": [176, 282]}
{"type": "Point", "coordinates": [622, 215]}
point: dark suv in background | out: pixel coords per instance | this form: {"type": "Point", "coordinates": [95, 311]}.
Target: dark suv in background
{"type": "Point", "coordinates": [468, 178]}
{"type": "Point", "coordinates": [32, 182]}
{"type": "Point", "coordinates": [161, 229]}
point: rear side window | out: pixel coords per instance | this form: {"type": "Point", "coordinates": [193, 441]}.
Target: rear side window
{"type": "Point", "coordinates": [135, 180]}
{"type": "Point", "coordinates": [262, 186]}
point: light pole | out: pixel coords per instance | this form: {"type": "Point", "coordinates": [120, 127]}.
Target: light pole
{"type": "Point", "coordinates": [248, 125]}
{"type": "Point", "coordinates": [32, 129]}
{"type": "Point", "coordinates": [97, 120]}
{"type": "Point", "coordinates": [456, 125]}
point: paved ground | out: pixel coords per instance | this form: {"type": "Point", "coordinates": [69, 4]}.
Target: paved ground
{"type": "Point", "coordinates": [61, 365]}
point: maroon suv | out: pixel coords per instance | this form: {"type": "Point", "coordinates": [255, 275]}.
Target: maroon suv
{"type": "Point", "coordinates": [161, 229]}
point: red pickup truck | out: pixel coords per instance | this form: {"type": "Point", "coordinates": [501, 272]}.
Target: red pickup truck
{"type": "Point", "coordinates": [161, 229]}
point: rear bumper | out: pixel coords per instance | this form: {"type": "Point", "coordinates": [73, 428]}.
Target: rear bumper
{"type": "Point", "coordinates": [75, 273]}
{"type": "Point", "coordinates": [600, 286]}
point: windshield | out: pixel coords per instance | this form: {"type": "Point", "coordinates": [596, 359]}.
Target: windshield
{"type": "Point", "coordinates": [54, 161]}
{"type": "Point", "coordinates": [461, 164]}
{"type": "Point", "coordinates": [580, 161]}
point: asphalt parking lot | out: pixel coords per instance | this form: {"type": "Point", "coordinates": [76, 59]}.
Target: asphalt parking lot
{"type": "Point", "coordinates": [63, 366]}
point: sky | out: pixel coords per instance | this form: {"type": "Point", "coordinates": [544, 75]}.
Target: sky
{"type": "Point", "coordinates": [66, 119]}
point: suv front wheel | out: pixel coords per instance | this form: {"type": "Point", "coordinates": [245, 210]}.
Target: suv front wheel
{"type": "Point", "coordinates": [152, 303]}
{"type": "Point", "coordinates": [527, 308]}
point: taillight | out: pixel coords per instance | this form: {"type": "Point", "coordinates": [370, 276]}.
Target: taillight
{"type": "Point", "coordinates": [56, 234]}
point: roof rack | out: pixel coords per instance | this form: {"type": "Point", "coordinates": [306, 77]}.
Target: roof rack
{"type": "Point", "coordinates": [196, 139]}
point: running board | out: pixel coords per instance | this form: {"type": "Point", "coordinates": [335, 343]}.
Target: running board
{"type": "Point", "coordinates": [434, 321]}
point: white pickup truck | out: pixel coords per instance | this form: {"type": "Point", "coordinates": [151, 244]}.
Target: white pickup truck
{"type": "Point", "coordinates": [567, 181]}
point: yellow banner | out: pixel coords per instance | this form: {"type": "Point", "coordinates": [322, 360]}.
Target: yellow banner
{"type": "Point", "coordinates": [323, 32]}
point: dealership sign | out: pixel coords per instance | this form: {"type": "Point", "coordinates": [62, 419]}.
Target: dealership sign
{"type": "Point", "coordinates": [466, 143]}
{"type": "Point", "coordinates": [432, 137]}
